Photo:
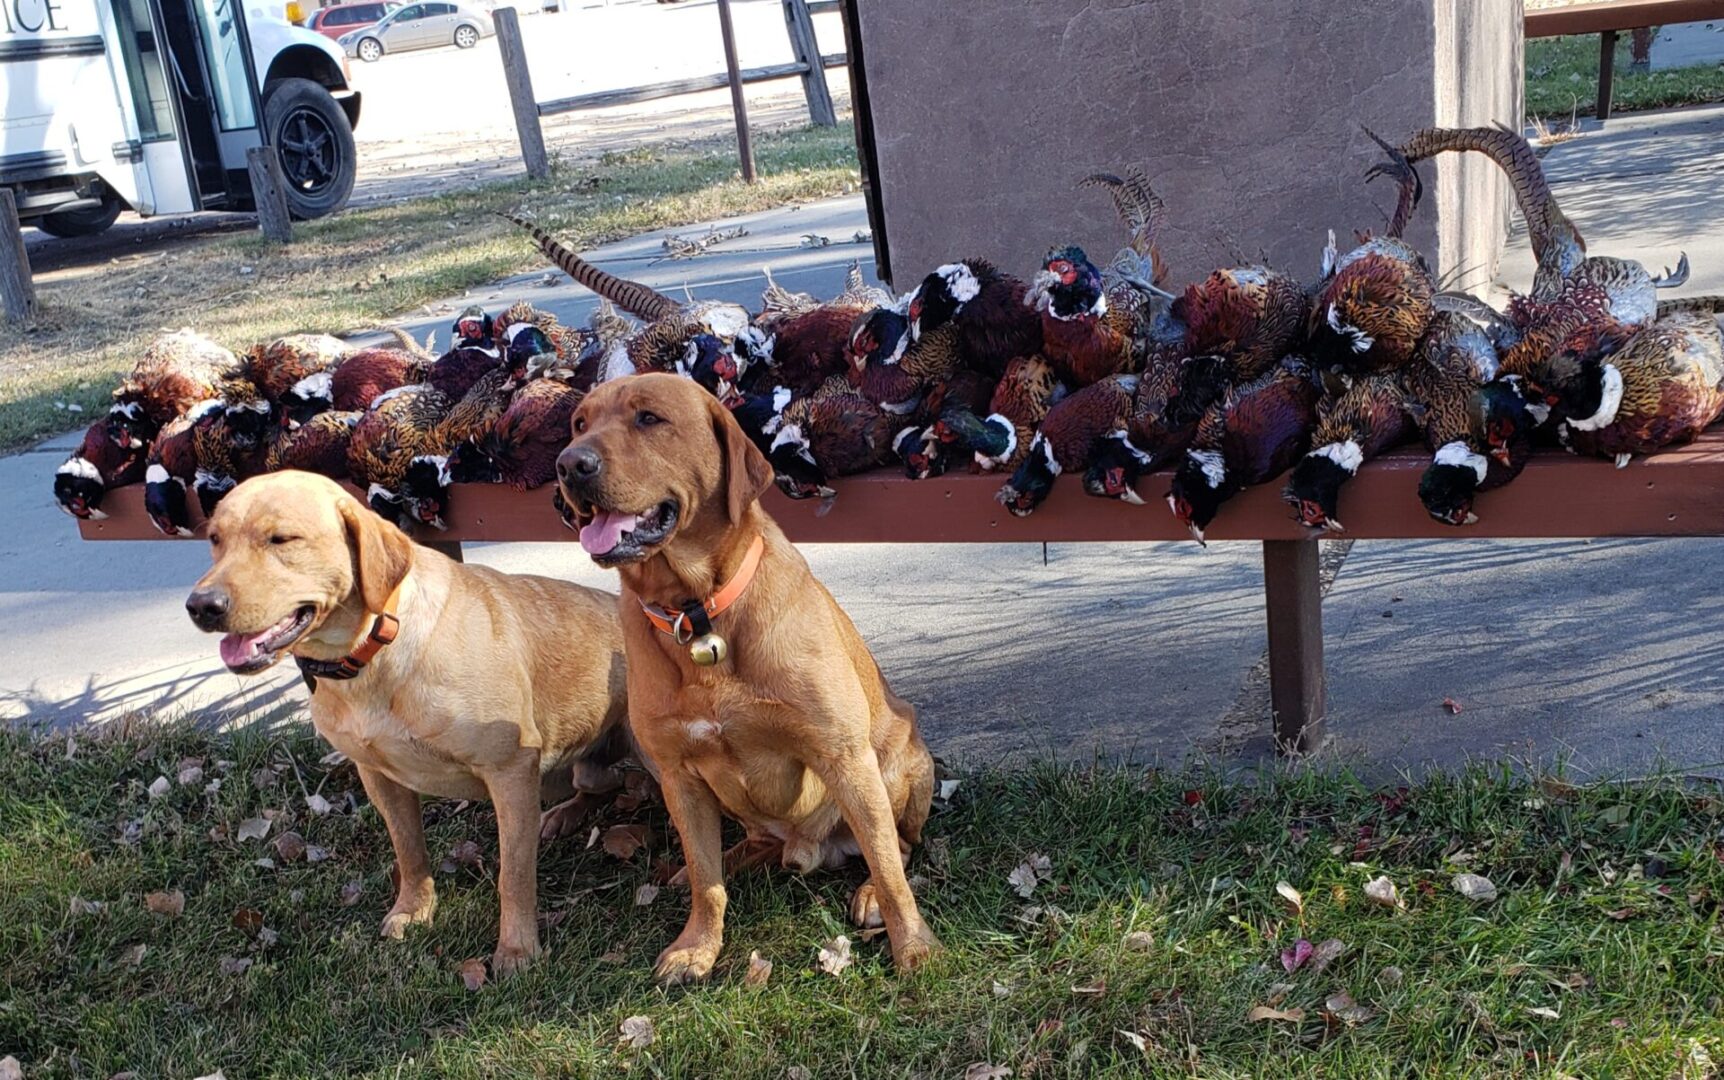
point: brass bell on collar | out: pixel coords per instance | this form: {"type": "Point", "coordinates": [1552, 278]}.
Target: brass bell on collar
{"type": "Point", "coordinates": [708, 649]}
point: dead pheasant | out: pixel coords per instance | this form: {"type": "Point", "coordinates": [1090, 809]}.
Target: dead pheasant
{"type": "Point", "coordinates": [1354, 425]}
{"type": "Point", "coordinates": [177, 371]}
{"type": "Point", "coordinates": [1631, 291]}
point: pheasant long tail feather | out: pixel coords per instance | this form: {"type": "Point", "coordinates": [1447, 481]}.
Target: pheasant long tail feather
{"type": "Point", "coordinates": [1142, 211]}
{"type": "Point", "coordinates": [631, 296]}
{"type": "Point", "coordinates": [1710, 305]}
{"type": "Point", "coordinates": [1515, 156]}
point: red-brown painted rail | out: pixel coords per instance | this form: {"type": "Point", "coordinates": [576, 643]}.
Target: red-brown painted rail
{"type": "Point", "coordinates": [1676, 493]}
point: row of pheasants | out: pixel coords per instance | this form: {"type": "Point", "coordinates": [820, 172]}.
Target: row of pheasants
{"type": "Point", "coordinates": [1099, 371]}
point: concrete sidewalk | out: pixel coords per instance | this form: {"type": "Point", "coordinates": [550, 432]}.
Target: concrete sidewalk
{"type": "Point", "coordinates": [1607, 654]}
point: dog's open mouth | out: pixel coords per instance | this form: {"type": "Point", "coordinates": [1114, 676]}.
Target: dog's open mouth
{"type": "Point", "coordinates": [612, 536]}
{"type": "Point", "coordinates": [245, 654]}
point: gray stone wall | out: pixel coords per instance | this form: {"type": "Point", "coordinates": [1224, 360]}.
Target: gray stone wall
{"type": "Point", "coordinates": [1246, 113]}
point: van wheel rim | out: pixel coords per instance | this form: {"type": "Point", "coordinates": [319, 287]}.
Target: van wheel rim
{"type": "Point", "coordinates": [368, 50]}
{"type": "Point", "coordinates": [310, 154]}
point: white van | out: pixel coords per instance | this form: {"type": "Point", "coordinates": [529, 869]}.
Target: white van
{"type": "Point", "coordinates": [151, 105]}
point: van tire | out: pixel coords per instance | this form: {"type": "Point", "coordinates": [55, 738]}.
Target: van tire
{"type": "Point", "coordinates": [67, 224]}
{"type": "Point", "coordinates": [314, 141]}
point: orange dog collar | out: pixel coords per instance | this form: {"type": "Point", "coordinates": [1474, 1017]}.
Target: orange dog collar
{"type": "Point", "coordinates": [693, 624]}
{"type": "Point", "coordinates": [384, 629]}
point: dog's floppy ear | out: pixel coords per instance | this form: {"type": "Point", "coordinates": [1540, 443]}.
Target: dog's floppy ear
{"type": "Point", "coordinates": [382, 554]}
{"type": "Point", "coordinates": [747, 473]}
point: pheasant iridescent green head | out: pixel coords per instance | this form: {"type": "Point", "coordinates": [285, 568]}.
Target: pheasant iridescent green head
{"type": "Point", "coordinates": [472, 328]}
{"type": "Point", "coordinates": [1069, 285]}
{"type": "Point", "coordinates": [1583, 386]}
{"type": "Point", "coordinates": [940, 297]}
{"type": "Point", "coordinates": [878, 337]}
{"type": "Point", "coordinates": [526, 344]}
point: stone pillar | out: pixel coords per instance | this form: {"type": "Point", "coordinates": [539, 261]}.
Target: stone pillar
{"type": "Point", "coordinates": [1245, 113]}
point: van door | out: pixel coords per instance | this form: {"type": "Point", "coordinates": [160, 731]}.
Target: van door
{"type": "Point", "coordinates": [158, 179]}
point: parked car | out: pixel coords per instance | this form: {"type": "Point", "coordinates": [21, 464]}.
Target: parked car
{"type": "Point", "coordinates": [337, 19]}
{"type": "Point", "coordinates": [418, 26]}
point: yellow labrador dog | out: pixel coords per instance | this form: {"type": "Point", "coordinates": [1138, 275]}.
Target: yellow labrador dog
{"type": "Point", "coordinates": [786, 724]}
{"type": "Point", "coordinates": [432, 676]}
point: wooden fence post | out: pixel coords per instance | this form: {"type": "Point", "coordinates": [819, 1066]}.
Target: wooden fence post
{"type": "Point", "coordinates": [17, 290]}
{"type": "Point", "coordinates": [806, 48]}
{"type": "Point", "coordinates": [269, 192]}
{"type": "Point", "coordinates": [738, 103]}
{"type": "Point", "coordinates": [520, 82]}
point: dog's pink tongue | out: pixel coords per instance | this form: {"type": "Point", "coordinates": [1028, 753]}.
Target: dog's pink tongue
{"type": "Point", "coordinates": [602, 534]}
{"type": "Point", "coordinates": [238, 649]}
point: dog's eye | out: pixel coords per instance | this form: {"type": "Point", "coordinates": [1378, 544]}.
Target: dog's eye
{"type": "Point", "coordinates": [278, 538]}
{"type": "Point", "coordinates": [648, 419]}
{"type": "Point", "coordinates": [580, 424]}
{"type": "Point", "coordinates": [215, 541]}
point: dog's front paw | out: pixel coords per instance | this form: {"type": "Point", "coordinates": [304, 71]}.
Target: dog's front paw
{"type": "Point", "coordinates": [682, 963]}
{"type": "Point", "coordinates": [410, 911]}
{"type": "Point", "coordinates": [509, 959]}
{"type": "Point", "coordinates": [912, 953]}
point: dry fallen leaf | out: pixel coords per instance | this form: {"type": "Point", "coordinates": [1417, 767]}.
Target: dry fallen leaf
{"type": "Point", "coordinates": [290, 846]}
{"type": "Point", "coordinates": [133, 955]}
{"type": "Point", "coordinates": [1545, 1012]}
{"type": "Point", "coordinates": [637, 1032]}
{"type": "Point", "coordinates": [1139, 941]}
{"type": "Point", "coordinates": [160, 786]}
{"type": "Point", "coordinates": [1453, 706]}
{"type": "Point", "coordinates": [1095, 989]}
{"type": "Point", "coordinates": [472, 973]}
{"type": "Point", "coordinates": [217, 1075]}
{"type": "Point", "coordinates": [465, 853]}
{"type": "Point", "coordinates": [315, 853]}
{"type": "Point", "coordinates": [981, 1070]}
{"type": "Point", "coordinates": [1348, 1011]}
{"type": "Point", "coordinates": [1291, 896]}
{"type": "Point", "coordinates": [81, 906]}
{"type": "Point", "coordinates": [171, 903]}
{"type": "Point", "coordinates": [835, 955]}
{"type": "Point", "coordinates": [1475, 887]}
{"type": "Point", "coordinates": [235, 965]}
{"type": "Point", "coordinates": [622, 841]}
{"type": "Point", "coordinates": [10, 1069]}
{"type": "Point", "coordinates": [1136, 1040]}
{"type": "Point", "coordinates": [1622, 914]}
{"type": "Point", "coordinates": [190, 774]}
{"type": "Point", "coordinates": [317, 804]}
{"type": "Point", "coordinates": [615, 956]}
{"type": "Point", "coordinates": [759, 970]}
{"type": "Point", "coordinates": [1036, 868]}
{"type": "Point", "coordinates": [948, 788]}
{"type": "Point", "coordinates": [646, 894]}
{"type": "Point", "coordinates": [350, 893]}
{"type": "Point", "coordinates": [798, 1072]}
{"type": "Point", "coordinates": [1391, 976]}
{"type": "Point", "coordinates": [253, 828]}
{"type": "Point", "coordinates": [1294, 958]}
{"type": "Point", "coordinates": [332, 759]}
{"type": "Point", "coordinates": [1259, 1013]}
{"type": "Point", "coordinates": [248, 920]}
{"type": "Point", "coordinates": [1004, 990]}
{"type": "Point", "coordinates": [1382, 891]}
{"type": "Point", "coordinates": [1326, 953]}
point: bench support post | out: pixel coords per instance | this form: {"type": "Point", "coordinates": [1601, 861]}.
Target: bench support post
{"type": "Point", "coordinates": [1292, 593]}
{"type": "Point", "coordinates": [451, 548]}
{"type": "Point", "coordinates": [521, 100]}
{"type": "Point", "coordinates": [1606, 72]}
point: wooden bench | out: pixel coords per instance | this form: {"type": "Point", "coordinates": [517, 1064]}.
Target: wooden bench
{"type": "Point", "coordinates": [1608, 17]}
{"type": "Point", "coordinates": [1677, 493]}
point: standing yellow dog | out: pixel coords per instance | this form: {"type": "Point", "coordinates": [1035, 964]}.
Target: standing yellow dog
{"type": "Point", "coordinates": [434, 677]}
{"type": "Point", "coordinates": [792, 730]}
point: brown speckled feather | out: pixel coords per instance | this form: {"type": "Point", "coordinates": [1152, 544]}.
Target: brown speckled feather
{"type": "Point", "coordinates": [1074, 424]}
{"type": "Point", "coordinates": [319, 445]}
{"type": "Point", "coordinates": [1671, 376]}
{"type": "Point", "coordinates": [399, 427]}
{"type": "Point", "coordinates": [177, 371]}
{"type": "Point", "coordinates": [846, 432]}
{"type": "Point", "coordinates": [276, 365]}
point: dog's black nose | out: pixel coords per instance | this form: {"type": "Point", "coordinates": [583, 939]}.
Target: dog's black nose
{"type": "Point", "coordinates": [208, 607]}
{"type": "Point", "coordinates": [579, 463]}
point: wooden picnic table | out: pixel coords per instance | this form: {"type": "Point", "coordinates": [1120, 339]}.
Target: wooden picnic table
{"type": "Point", "coordinates": [1679, 492]}
{"type": "Point", "coordinates": [1607, 18]}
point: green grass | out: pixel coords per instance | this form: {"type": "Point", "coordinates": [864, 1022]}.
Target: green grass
{"type": "Point", "coordinates": [368, 265]}
{"type": "Point", "coordinates": [1562, 80]}
{"type": "Point", "coordinates": [1602, 956]}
